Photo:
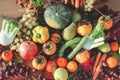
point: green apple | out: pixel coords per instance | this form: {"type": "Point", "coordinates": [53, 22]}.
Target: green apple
{"type": "Point", "coordinates": [61, 74]}
{"type": "Point", "coordinates": [105, 48]}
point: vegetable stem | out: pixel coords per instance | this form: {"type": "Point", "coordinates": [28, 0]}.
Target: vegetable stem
{"type": "Point", "coordinates": [99, 39]}
{"type": "Point", "coordinates": [7, 26]}
{"type": "Point", "coordinates": [97, 31]}
{"type": "Point", "coordinates": [78, 47]}
{"type": "Point", "coordinates": [14, 32]}
{"type": "Point", "coordinates": [3, 25]}
{"type": "Point", "coordinates": [67, 44]}
{"type": "Point", "coordinates": [97, 44]}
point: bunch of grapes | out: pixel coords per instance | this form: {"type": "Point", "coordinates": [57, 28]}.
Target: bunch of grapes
{"type": "Point", "coordinates": [89, 5]}
{"type": "Point", "coordinates": [113, 74]}
{"type": "Point", "coordinates": [26, 24]}
{"type": "Point", "coordinates": [17, 71]}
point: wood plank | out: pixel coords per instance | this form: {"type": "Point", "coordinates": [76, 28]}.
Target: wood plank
{"type": "Point", "coordinates": [9, 8]}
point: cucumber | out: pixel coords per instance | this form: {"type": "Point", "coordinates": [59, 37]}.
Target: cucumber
{"type": "Point", "coordinates": [68, 44]}
{"type": "Point", "coordinates": [78, 47]}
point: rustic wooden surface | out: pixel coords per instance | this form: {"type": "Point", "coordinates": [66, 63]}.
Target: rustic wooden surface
{"type": "Point", "coordinates": [9, 8]}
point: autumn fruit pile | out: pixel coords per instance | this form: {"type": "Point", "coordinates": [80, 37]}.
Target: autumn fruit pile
{"type": "Point", "coordinates": [59, 43]}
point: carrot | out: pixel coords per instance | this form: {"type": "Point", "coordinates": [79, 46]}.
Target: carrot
{"type": "Point", "coordinates": [107, 78]}
{"type": "Point", "coordinates": [114, 46]}
{"type": "Point", "coordinates": [72, 2]}
{"type": "Point", "coordinates": [77, 3]}
{"type": "Point", "coordinates": [81, 1]}
{"type": "Point", "coordinates": [98, 69]}
{"type": "Point", "coordinates": [84, 2]}
{"type": "Point", "coordinates": [96, 61]}
{"type": "Point", "coordinates": [66, 1]}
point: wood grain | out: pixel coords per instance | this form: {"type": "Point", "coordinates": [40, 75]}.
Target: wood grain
{"type": "Point", "coordinates": [9, 8]}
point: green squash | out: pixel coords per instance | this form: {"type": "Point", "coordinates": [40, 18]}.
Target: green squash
{"type": "Point", "coordinates": [57, 16]}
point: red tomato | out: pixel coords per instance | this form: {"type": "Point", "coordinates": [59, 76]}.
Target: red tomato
{"type": "Point", "coordinates": [7, 55]}
{"type": "Point", "coordinates": [56, 38]}
{"type": "Point", "coordinates": [62, 62]}
{"type": "Point", "coordinates": [51, 66]}
{"type": "Point", "coordinates": [114, 46]}
{"type": "Point", "coordinates": [48, 75]}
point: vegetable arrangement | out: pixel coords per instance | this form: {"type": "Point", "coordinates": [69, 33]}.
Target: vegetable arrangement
{"type": "Point", "coordinates": [47, 45]}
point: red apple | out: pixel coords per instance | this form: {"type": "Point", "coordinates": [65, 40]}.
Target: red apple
{"type": "Point", "coordinates": [28, 50]}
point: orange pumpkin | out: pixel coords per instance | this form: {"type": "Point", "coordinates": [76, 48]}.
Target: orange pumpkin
{"type": "Point", "coordinates": [107, 22]}
{"type": "Point", "coordinates": [84, 29]}
{"type": "Point", "coordinates": [39, 62]}
{"type": "Point", "coordinates": [83, 56]}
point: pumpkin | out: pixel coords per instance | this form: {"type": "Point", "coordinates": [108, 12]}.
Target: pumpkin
{"type": "Point", "coordinates": [57, 16]}
{"type": "Point", "coordinates": [84, 29]}
{"type": "Point", "coordinates": [39, 62]}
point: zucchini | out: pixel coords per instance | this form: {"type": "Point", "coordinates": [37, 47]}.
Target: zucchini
{"type": "Point", "coordinates": [78, 47]}
{"type": "Point", "coordinates": [68, 44]}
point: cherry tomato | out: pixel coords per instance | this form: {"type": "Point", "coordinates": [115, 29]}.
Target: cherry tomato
{"type": "Point", "coordinates": [7, 55]}
{"type": "Point", "coordinates": [51, 66]}
{"type": "Point", "coordinates": [61, 62]}
{"type": "Point", "coordinates": [114, 46]}
{"type": "Point", "coordinates": [56, 38]}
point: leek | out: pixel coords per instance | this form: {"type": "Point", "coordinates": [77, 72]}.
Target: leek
{"type": "Point", "coordinates": [8, 32]}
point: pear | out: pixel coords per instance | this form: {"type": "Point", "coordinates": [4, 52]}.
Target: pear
{"type": "Point", "coordinates": [69, 32]}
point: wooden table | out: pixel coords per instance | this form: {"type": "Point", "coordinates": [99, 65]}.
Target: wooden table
{"type": "Point", "coordinates": [9, 8]}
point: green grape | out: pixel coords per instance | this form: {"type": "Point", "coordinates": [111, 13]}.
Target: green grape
{"type": "Point", "coordinates": [89, 9]}
{"type": "Point", "coordinates": [86, 6]}
{"type": "Point", "coordinates": [91, 2]}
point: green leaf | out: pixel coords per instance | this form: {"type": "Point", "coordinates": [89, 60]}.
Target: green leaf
{"type": "Point", "coordinates": [38, 3]}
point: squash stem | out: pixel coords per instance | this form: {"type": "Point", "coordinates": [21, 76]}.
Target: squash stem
{"type": "Point", "coordinates": [106, 17]}
{"type": "Point", "coordinates": [38, 35]}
